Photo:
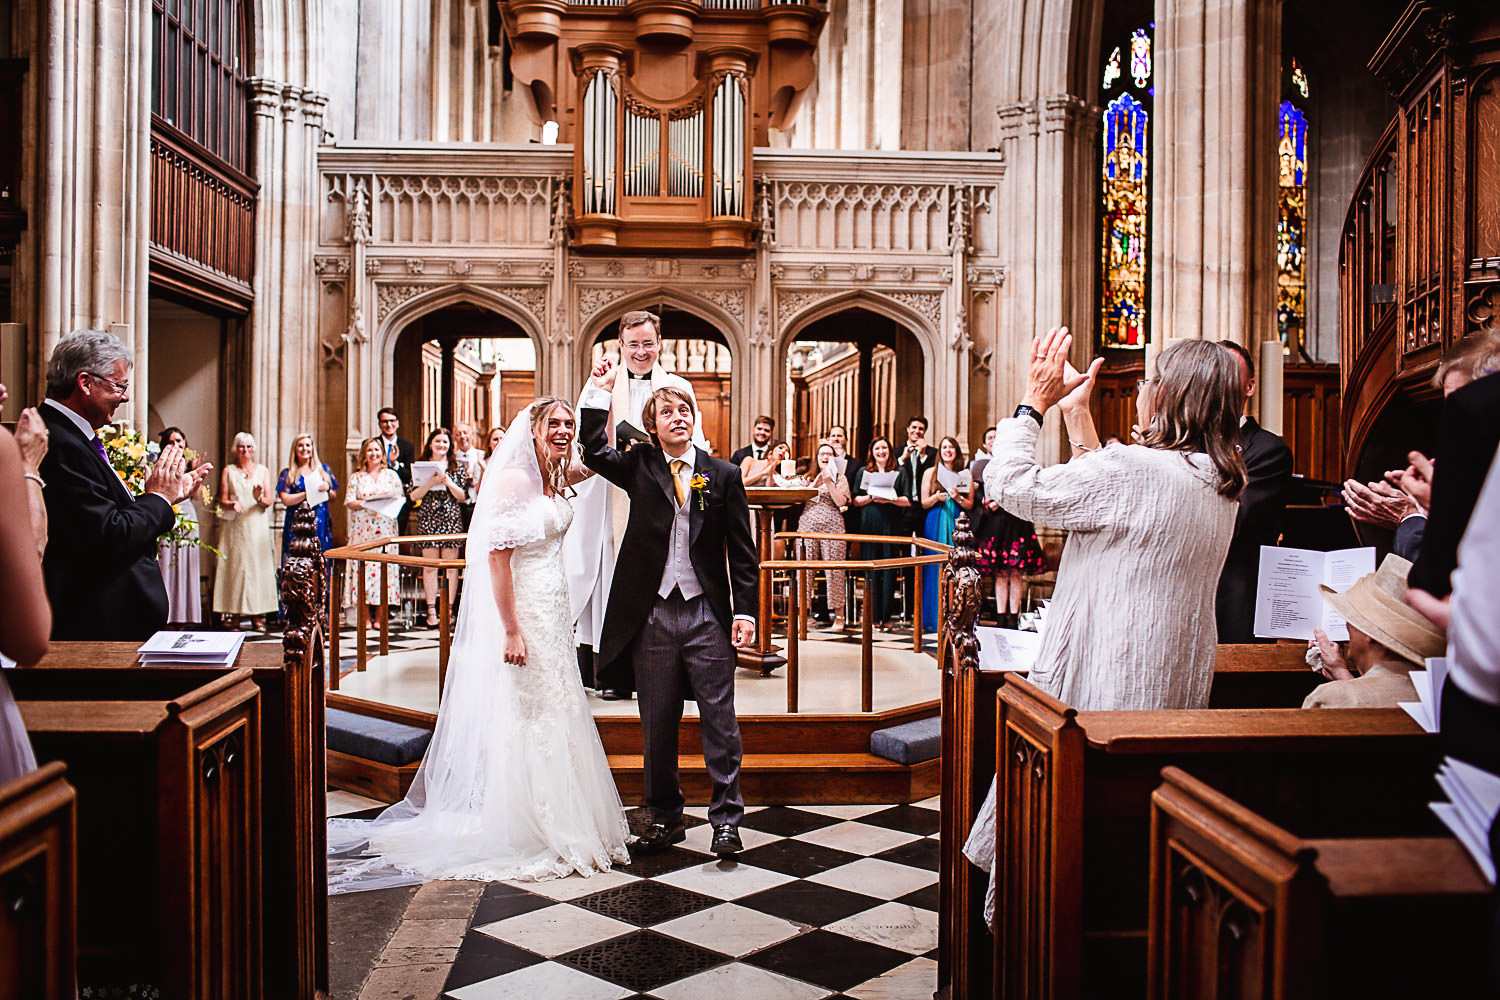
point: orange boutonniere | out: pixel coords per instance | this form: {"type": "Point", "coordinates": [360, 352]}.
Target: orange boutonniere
{"type": "Point", "coordinates": [699, 483]}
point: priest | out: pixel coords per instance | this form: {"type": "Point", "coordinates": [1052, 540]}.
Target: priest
{"type": "Point", "coordinates": [600, 510]}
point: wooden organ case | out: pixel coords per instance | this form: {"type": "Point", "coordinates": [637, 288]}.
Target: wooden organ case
{"type": "Point", "coordinates": [1419, 263]}
{"type": "Point", "coordinates": [663, 102]}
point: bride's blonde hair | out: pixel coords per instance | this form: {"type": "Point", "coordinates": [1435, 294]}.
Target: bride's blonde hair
{"type": "Point", "coordinates": [555, 474]}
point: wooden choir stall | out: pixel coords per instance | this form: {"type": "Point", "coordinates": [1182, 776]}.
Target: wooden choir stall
{"type": "Point", "coordinates": [1074, 816]}
{"type": "Point", "coordinates": [200, 818]}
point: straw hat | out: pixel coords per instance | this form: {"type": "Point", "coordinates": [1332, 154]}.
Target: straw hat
{"type": "Point", "coordinates": [1376, 605]}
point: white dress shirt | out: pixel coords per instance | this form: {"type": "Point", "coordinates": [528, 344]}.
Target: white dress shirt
{"type": "Point", "coordinates": [83, 425]}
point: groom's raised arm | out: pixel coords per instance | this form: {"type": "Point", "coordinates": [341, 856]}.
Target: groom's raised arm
{"type": "Point", "coordinates": [593, 437]}
{"type": "Point", "coordinates": [744, 561]}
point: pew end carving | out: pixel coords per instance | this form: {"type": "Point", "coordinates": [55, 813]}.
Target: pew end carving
{"type": "Point", "coordinates": [38, 886]}
{"type": "Point", "coordinates": [1241, 907]}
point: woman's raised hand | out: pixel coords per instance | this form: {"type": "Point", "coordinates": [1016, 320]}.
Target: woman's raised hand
{"type": "Point", "coordinates": [604, 375]}
{"type": "Point", "coordinates": [1050, 378]}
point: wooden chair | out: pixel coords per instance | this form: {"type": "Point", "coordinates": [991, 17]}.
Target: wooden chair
{"type": "Point", "coordinates": [38, 887]}
{"type": "Point", "coordinates": [1241, 907]}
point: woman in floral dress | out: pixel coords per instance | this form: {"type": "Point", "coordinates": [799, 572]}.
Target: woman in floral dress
{"type": "Point", "coordinates": [440, 513]}
{"type": "Point", "coordinates": [823, 513]}
{"type": "Point", "coordinates": [375, 480]}
{"type": "Point", "coordinates": [1008, 550]}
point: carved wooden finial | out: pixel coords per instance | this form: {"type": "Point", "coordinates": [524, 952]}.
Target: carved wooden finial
{"type": "Point", "coordinates": [303, 586]}
{"type": "Point", "coordinates": [964, 597]}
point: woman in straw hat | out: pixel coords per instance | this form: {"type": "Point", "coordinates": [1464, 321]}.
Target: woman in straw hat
{"type": "Point", "coordinates": [1387, 640]}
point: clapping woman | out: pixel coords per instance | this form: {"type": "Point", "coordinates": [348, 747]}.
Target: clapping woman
{"type": "Point", "coordinates": [306, 475]}
{"type": "Point", "coordinates": [374, 480]}
{"type": "Point", "coordinates": [946, 489]}
{"type": "Point", "coordinates": [440, 512]}
{"type": "Point", "coordinates": [824, 513]}
{"type": "Point", "coordinates": [245, 585]}
{"type": "Point", "coordinates": [881, 516]}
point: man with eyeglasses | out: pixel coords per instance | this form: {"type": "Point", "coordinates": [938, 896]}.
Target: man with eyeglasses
{"type": "Point", "coordinates": [399, 455]}
{"type": "Point", "coordinates": [100, 566]}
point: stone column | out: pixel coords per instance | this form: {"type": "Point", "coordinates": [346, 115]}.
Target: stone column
{"type": "Point", "coordinates": [1213, 221]}
{"type": "Point", "coordinates": [84, 261]}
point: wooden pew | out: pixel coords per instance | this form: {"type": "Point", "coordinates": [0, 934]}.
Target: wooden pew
{"type": "Point", "coordinates": [166, 764]}
{"type": "Point", "coordinates": [1245, 676]}
{"type": "Point", "coordinates": [1073, 814]}
{"type": "Point", "coordinates": [1241, 907]}
{"type": "Point", "coordinates": [38, 887]}
{"type": "Point", "coordinates": [293, 832]}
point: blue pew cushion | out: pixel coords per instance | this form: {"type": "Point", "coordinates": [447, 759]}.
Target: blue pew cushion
{"type": "Point", "coordinates": [909, 743]}
{"type": "Point", "coordinates": [380, 740]}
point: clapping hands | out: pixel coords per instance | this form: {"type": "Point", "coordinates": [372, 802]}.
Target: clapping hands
{"type": "Point", "coordinates": [1051, 379]}
{"type": "Point", "coordinates": [171, 479]}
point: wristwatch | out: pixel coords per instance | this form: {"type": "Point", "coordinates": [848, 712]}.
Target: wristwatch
{"type": "Point", "coordinates": [1029, 411]}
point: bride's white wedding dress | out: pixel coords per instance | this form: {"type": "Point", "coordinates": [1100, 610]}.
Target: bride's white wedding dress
{"type": "Point", "coordinates": [515, 783]}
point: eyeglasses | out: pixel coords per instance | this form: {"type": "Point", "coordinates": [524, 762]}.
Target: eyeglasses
{"type": "Point", "coordinates": [121, 387]}
{"type": "Point", "coordinates": [1140, 385]}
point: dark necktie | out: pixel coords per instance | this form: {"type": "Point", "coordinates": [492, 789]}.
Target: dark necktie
{"type": "Point", "coordinates": [390, 454]}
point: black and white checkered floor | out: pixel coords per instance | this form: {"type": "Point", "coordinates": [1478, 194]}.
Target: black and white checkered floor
{"type": "Point", "coordinates": [825, 901]}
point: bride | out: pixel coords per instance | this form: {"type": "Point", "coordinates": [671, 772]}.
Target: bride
{"type": "Point", "coordinates": [514, 784]}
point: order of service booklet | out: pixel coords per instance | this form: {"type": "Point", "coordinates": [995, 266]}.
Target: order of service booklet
{"type": "Point", "coordinates": [1288, 603]}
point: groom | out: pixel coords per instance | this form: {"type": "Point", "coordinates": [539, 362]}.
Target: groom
{"type": "Point", "coordinates": [687, 549]}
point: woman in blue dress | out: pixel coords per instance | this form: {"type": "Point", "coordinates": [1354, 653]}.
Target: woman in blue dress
{"type": "Point", "coordinates": [305, 472]}
{"type": "Point", "coordinates": [947, 488]}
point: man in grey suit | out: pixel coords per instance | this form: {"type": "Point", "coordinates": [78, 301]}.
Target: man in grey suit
{"type": "Point", "coordinates": [686, 579]}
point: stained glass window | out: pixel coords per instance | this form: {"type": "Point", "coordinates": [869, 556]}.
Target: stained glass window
{"type": "Point", "coordinates": [1291, 227]}
{"type": "Point", "coordinates": [1125, 201]}
{"type": "Point", "coordinates": [1112, 68]}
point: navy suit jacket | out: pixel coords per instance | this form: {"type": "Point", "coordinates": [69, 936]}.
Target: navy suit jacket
{"type": "Point", "coordinates": [1268, 463]}
{"type": "Point", "coordinates": [100, 566]}
{"type": "Point", "coordinates": [721, 546]}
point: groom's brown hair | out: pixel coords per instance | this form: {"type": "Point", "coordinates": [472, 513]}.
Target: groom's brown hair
{"type": "Point", "coordinates": [648, 413]}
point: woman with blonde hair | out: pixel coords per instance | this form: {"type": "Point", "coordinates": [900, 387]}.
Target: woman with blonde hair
{"type": "Point", "coordinates": [1131, 623]}
{"type": "Point", "coordinates": [245, 585]}
{"type": "Point", "coordinates": [306, 476]}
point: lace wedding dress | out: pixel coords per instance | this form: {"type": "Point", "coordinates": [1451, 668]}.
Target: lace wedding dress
{"type": "Point", "coordinates": [515, 783]}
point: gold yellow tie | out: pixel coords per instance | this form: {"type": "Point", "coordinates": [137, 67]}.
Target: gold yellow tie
{"type": "Point", "coordinates": [677, 485]}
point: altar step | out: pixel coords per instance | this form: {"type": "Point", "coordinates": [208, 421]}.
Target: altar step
{"type": "Point", "coordinates": [796, 778]}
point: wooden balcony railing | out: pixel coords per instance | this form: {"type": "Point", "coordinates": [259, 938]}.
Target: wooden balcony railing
{"type": "Point", "coordinates": [202, 223]}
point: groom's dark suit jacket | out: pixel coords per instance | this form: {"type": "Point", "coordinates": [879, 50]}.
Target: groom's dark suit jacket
{"type": "Point", "coordinates": [719, 528]}
{"type": "Point", "coordinates": [1268, 465]}
{"type": "Point", "coordinates": [100, 566]}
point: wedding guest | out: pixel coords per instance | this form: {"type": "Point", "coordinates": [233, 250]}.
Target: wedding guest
{"type": "Point", "coordinates": [374, 480]}
{"type": "Point", "coordinates": [824, 513]}
{"type": "Point", "coordinates": [985, 449]}
{"type": "Point", "coordinates": [1468, 435]}
{"type": "Point", "coordinates": [100, 566]}
{"type": "Point", "coordinates": [1131, 624]}
{"type": "Point", "coordinates": [180, 569]}
{"type": "Point", "coordinates": [492, 444]}
{"type": "Point", "coordinates": [1007, 546]}
{"type": "Point", "coordinates": [944, 494]}
{"type": "Point", "coordinates": [23, 593]}
{"type": "Point", "coordinates": [1387, 640]}
{"type": "Point", "coordinates": [245, 585]}
{"type": "Point", "coordinates": [881, 516]}
{"type": "Point", "coordinates": [471, 456]}
{"type": "Point", "coordinates": [1268, 466]}
{"type": "Point", "coordinates": [916, 458]}
{"type": "Point", "coordinates": [760, 441]}
{"type": "Point", "coordinates": [759, 471]}
{"type": "Point", "coordinates": [305, 473]}
{"type": "Point", "coordinates": [439, 514]}
{"type": "Point", "coordinates": [840, 441]}
{"type": "Point", "coordinates": [31, 440]}
{"type": "Point", "coordinates": [399, 454]}
{"type": "Point", "coordinates": [1402, 500]}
